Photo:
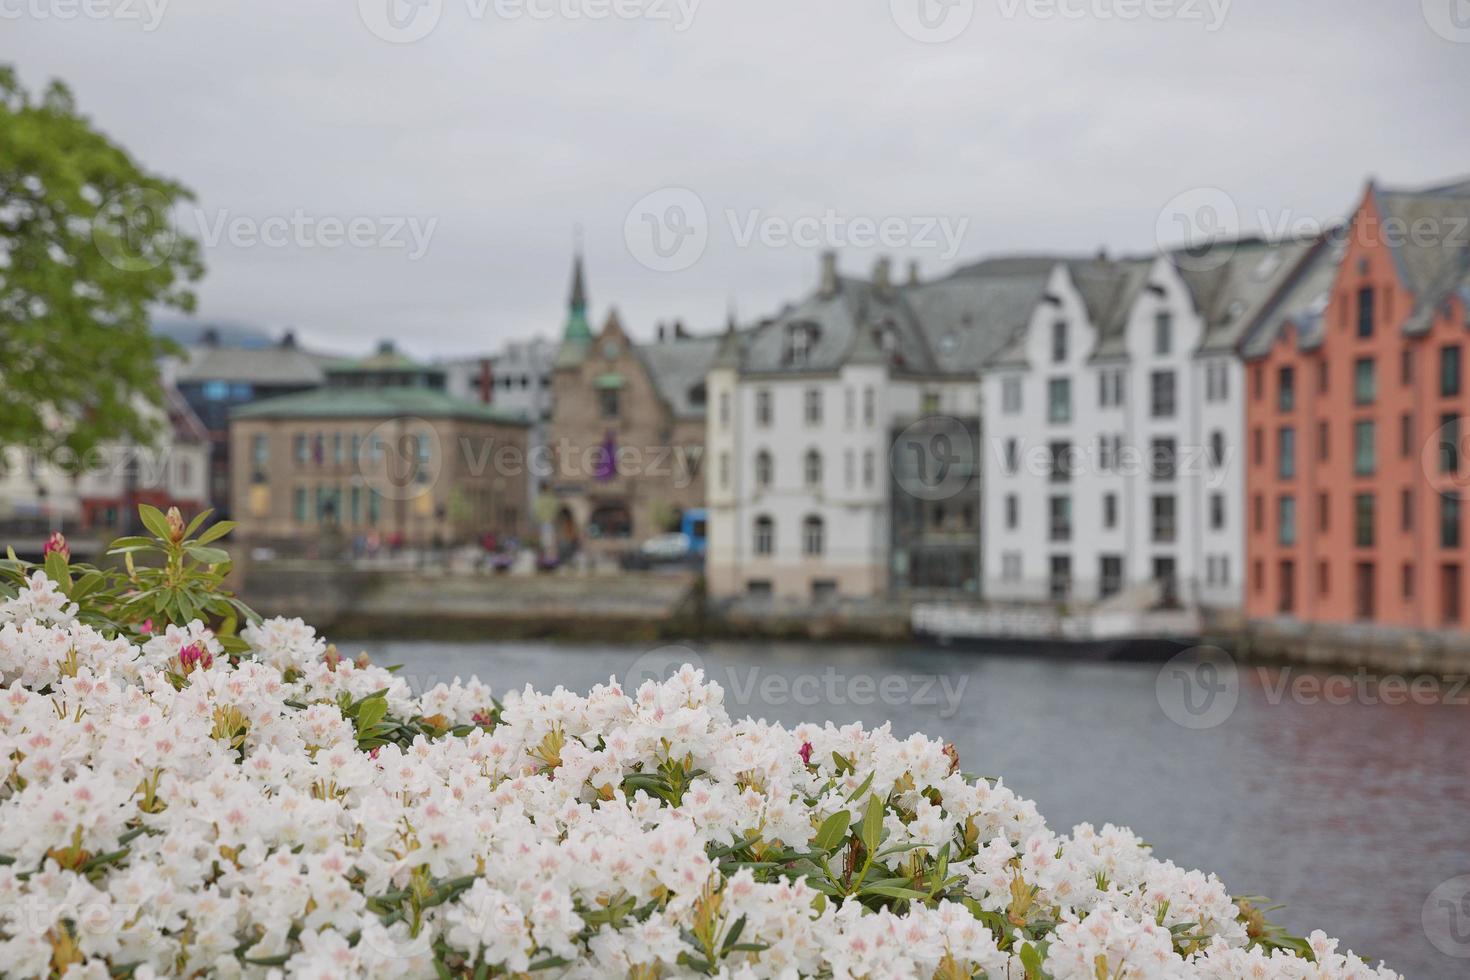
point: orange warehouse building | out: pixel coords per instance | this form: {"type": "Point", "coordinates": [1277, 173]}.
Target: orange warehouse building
{"type": "Point", "coordinates": [1356, 430]}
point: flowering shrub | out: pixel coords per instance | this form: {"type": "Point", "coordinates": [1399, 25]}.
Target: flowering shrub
{"type": "Point", "coordinates": [174, 805]}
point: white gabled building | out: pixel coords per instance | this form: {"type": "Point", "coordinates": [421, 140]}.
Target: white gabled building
{"type": "Point", "coordinates": [1114, 427]}
{"type": "Point", "coordinates": [804, 412]}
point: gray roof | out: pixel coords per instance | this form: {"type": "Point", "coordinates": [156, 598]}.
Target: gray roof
{"type": "Point", "coordinates": [944, 326]}
{"type": "Point", "coordinates": [677, 366]}
{"type": "Point", "coordinates": [277, 365]}
{"type": "Point", "coordinates": [1302, 304]}
{"type": "Point", "coordinates": [1232, 295]}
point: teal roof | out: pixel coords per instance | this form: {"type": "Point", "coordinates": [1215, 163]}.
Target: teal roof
{"type": "Point", "coordinates": [362, 403]}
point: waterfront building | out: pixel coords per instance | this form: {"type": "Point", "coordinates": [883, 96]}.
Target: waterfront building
{"type": "Point", "coordinates": [1356, 425]}
{"type": "Point", "coordinates": [215, 378]}
{"type": "Point", "coordinates": [517, 380]}
{"type": "Point", "coordinates": [382, 448]}
{"type": "Point", "coordinates": [626, 437]}
{"type": "Point", "coordinates": [1112, 430]}
{"type": "Point", "coordinates": [843, 431]}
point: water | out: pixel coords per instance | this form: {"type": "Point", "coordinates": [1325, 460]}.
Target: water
{"type": "Point", "coordinates": [1349, 814]}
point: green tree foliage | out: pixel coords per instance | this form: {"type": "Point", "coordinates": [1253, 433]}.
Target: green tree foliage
{"type": "Point", "coordinates": [87, 251]}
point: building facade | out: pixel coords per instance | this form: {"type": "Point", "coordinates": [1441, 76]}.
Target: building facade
{"type": "Point", "coordinates": [626, 437]}
{"type": "Point", "coordinates": [517, 381]}
{"type": "Point", "coordinates": [1113, 426]}
{"type": "Point", "coordinates": [381, 449]}
{"type": "Point", "coordinates": [842, 436]}
{"type": "Point", "coordinates": [1356, 425]}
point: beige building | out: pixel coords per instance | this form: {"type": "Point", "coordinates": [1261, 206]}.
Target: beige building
{"type": "Point", "coordinates": [382, 448]}
{"type": "Point", "coordinates": [626, 441]}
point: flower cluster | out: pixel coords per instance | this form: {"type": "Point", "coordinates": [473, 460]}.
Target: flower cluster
{"type": "Point", "coordinates": [176, 809]}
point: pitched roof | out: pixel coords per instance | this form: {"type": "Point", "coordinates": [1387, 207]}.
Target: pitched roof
{"type": "Point", "coordinates": [279, 365]}
{"type": "Point", "coordinates": [677, 367]}
{"type": "Point", "coordinates": [374, 402]}
{"type": "Point", "coordinates": [1428, 235]}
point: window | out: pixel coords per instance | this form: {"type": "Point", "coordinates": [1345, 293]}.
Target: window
{"type": "Point", "coordinates": [1110, 575]}
{"type": "Point", "coordinates": [1449, 443]}
{"type": "Point", "coordinates": [929, 405]}
{"type": "Point", "coordinates": [763, 407]}
{"type": "Point", "coordinates": [1324, 440]}
{"type": "Point", "coordinates": [812, 536]}
{"type": "Point", "coordinates": [301, 450]}
{"type": "Point", "coordinates": [1061, 577]}
{"type": "Point", "coordinates": [1365, 383]}
{"type": "Point", "coordinates": [1286, 452]}
{"type": "Point", "coordinates": [607, 402]}
{"type": "Point", "coordinates": [1324, 511]}
{"type": "Point", "coordinates": [758, 588]}
{"type": "Point", "coordinates": [1217, 512]}
{"type": "Point", "coordinates": [299, 505]}
{"type": "Point", "coordinates": [1061, 462]}
{"type": "Point", "coordinates": [1010, 396]}
{"type": "Point", "coordinates": [1013, 455]}
{"type": "Point", "coordinates": [1110, 510]}
{"type": "Point", "coordinates": [1365, 457]}
{"type": "Point", "coordinates": [1324, 579]}
{"type": "Point", "coordinates": [1286, 521]}
{"type": "Point", "coordinates": [1161, 384]}
{"type": "Point", "coordinates": [813, 403]}
{"type": "Point", "coordinates": [765, 536]}
{"type": "Point", "coordinates": [1406, 368]}
{"type": "Point", "coordinates": [1013, 511]}
{"type": "Point", "coordinates": [849, 468]}
{"type": "Point", "coordinates": [1258, 382]}
{"type": "Point", "coordinates": [1406, 509]}
{"type": "Point", "coordinates": [1163, 525]}
{"type": "Point", "coordinates": [1258, 446]}
{"type": "Point", "coordinates": [1059, 400]}
{"type": "Point", "coordinates": [260, 450]}
{"type": "Point", "coordinates": [724, 409]}
{"type": "Point", "coordinates": [764, 470]}
{"type": "Point", "coordinates": [1109, 388]}
{"type": "Point", "coordinates": [1059, 341]}
{"type": "Point", "coordinates": [1010, 566]}
{"type": "Point", "coordinates": [1406, 435]}
{"type": "Point", "coordinates": [1449, 590]}
{"type": "Point", "coordinates": [1286, 390]}
{"type": "Point", "coordinates": [1365, 312]}
{"type": "Point", "coordinates": [1324, 375]}
{"type": "Point", "coordinates": [799, 339]}
{"type": "Point", "coordinates": [1363, 523]}
{"type": "Point", "coordinates": [1163, 334]}
{"type": "Point", "coordinates": [868, 468]}
{"type": "Point", "coordinates": [724, 471]}
{"type": "Point", "coordinates": [1217, 381]}
{"type": "Point", "coordinates": [1163, 461]}
{"type": "Point", "coordinates": [1449, 371]}
{"type": "Point", "coordinates": [1061, 519]}
{"type": "Point", "coordinates": [1217, 448]}
{"type": "Point", "coordinates": [1258, 513]}
{"type": "Point", "coordinates": [1408, 580]}
{"type": "Point", "coordinates": [1286, 600]}
{"type": "Point", "coordinates": [849, 407]}
{"type": "Point", "coordinates": [1365, 593]}
{"type": "Point", "coordinates": [812, 469]}
{"type": "Point", "coordinates": [870, 406]}
{"type": "Point", "coordinates": [1449, 521]}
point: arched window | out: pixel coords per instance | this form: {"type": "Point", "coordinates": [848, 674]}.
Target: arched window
{"type": "Point", "coordinates": [763, 472]}
{"type": "Point", "coordinates": [765, 535]}
{"type": "Point", "coordinates": [812, 469]}
{"type": "Point", "coordinates": [813, 536]}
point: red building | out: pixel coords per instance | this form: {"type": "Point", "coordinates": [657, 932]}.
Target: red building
{"type": "Point", "coordinates": [1355, 424]}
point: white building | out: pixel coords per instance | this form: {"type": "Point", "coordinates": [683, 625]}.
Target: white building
{"type": "Point", "coordinates": [518, 380]}
{"type": "Point", "coordinates": [817, 488]}
{"type": "Point", "coordinates": [1113, 428]}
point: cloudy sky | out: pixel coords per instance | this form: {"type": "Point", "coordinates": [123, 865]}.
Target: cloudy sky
{"type": "Point", "coordinates": [417, 168]}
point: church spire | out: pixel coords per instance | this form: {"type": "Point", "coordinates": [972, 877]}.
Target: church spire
{"type": "Point", "coordinates": [577, 328]}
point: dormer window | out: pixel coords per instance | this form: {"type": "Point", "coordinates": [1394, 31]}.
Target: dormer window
{"type": "Point", "coordinates": [800, 339]}
{"type": "Point", "coordinates": [1059, 341]}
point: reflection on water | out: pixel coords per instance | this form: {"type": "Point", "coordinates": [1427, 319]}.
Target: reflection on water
{"type": "Point", "coordinates": [1349, 814]}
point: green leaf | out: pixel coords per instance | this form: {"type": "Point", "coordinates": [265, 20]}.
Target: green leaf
{"type": "Point", "coordinates": [872, 832]}
{"type": "Point", "coordinates": [855, 794]}
{"type": "Point", "coordinates": [154, 520]}
{"type": "Point", "coordinates": [894, 891]}
{"type": "Point", "coordinates": [199, 519]}
{"type": "Point", "coordinates": [832, 832]}
{"type": "Point", "coordinates": [209, 556]}
{"type": "Point", "coordinates": [216, 532]}
{"type": "Point", "coordinates": [371, 712]}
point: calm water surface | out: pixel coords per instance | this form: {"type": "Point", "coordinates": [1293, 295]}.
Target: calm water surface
{"type": "Point", "coordinates": [1349, 814]}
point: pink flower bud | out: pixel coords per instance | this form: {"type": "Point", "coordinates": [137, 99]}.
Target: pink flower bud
{"type": "Point", "coordinates": [147, 628]}
{"type": "Point", "coordinates": [806, 753]}
{"type": "Point", "coordinates": [56, 545]}
{"type": "Point", "coordinates": [193, 656]}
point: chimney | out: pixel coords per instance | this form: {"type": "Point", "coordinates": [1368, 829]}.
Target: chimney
{"type": "Point", "coordinates": [210, 337]}
{"type": "Point", "coordinates": [487, 382]}
{"type": "Point", "coordinates": [1102, 254]}
{"type": "Point", "coordinates": [679, 332]}
{"type": "Point", "coordinates": [829, 274]}
{"type": "Point", "coordinates": [288, 340]}
{"type": "Point", "coordinates": [913, 272]}
{"type": "Point", "coordinates": [883, 276]}
{"type": "Point", "coordinates": [661, 333]}
{"type": "Point", "coordinates": [385, 347]}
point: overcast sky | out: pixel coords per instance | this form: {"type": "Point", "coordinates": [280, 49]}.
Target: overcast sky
{"type": "Point", "coordinates": [687, 137]}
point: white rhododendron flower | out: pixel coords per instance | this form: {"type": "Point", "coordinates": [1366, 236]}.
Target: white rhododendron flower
{"type": "Point", "coordinates": [175, 810]}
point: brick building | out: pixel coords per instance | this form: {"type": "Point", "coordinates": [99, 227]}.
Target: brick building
{"type": "Point", "coordinates": [1354, 421]}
